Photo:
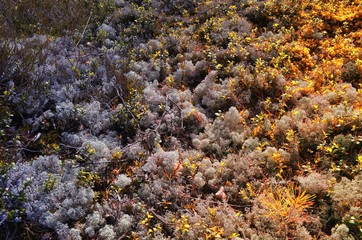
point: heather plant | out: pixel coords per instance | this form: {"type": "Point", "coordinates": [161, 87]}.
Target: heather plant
{"type": "Point", "coordinates": [22, 19]}
{"type": "Point", "coordinates": [16, 64]}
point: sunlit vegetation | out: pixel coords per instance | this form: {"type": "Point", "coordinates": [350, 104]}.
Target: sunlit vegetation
{"type": "Point", "coordinates": [179, 119]}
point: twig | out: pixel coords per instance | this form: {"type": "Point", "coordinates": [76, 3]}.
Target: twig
{"type": "Point", "coordinates": [217, 202]}
{"type": "Point", "coordinates": [164, 221]}
{"type": "Point", "coordinates": [85, 27]}
{"type": "Point", "coordinates": [182, 122]}
{"type": "Point", "coordinates": [29, 150]}
{"type": "Point", "coordinates": [162, 117]}
{"type": "Point", "coordinates": [68, 146]}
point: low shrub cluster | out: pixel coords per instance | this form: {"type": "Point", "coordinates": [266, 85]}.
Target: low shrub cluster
{"type": "Point", "coordinates": [164, 119]}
